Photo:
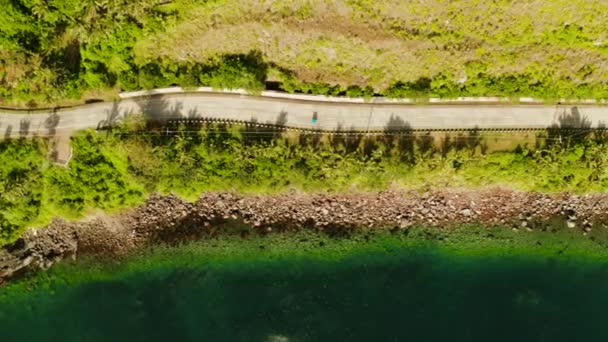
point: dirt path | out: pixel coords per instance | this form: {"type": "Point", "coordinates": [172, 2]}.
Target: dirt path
{"type": "Point", "coordinates": [61, 148]}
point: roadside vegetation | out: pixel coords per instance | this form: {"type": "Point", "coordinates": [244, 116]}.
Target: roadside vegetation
{"type": "Point", "coordinates": [59, 51]}
{"type": "Point", "coordinates": [118, 169]}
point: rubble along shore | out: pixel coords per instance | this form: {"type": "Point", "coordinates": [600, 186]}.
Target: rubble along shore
{"type": "Point", "coordinates": [170, 219]}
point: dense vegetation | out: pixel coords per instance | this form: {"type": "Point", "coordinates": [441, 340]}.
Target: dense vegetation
{"type": "Point", "coordinates": [118, 169]}
{"type": "Point", "coordinates": [55, 50]}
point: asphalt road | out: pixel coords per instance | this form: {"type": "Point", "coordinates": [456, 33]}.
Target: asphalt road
{"type": "Point", "coordinates": [299, 114]}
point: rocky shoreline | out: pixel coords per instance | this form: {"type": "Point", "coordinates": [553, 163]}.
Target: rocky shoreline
{"type": "Point", "coordinates": [170, 219]}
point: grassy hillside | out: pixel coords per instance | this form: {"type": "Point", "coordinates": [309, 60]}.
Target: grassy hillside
{"type": "Point", "coordinates": [56, 50]}
{"type": "Point", "coordinates": [377, 43]}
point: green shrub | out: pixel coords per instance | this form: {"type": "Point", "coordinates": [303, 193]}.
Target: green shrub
{"type": "Point", "coordinates": [21, 185]}
{"type": "Point", "coordinates": [97, 178]}
{"type": "Point", "coordinates": [236, 71]}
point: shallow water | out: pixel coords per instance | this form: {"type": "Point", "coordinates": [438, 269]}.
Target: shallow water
{"type": "Point", "coordinates": [385, 294]}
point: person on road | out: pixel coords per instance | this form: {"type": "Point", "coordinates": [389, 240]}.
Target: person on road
{"type": "Point", "coordinates": [315, 116]}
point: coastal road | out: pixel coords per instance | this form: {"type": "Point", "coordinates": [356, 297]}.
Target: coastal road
{"type": "Point", "coordinates": [297, 113]}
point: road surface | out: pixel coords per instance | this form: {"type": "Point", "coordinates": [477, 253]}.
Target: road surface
{"type": "Point", "coordinates": [330, 116]}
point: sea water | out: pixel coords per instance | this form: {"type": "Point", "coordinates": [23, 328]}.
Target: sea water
{"type": "Point", "coordinates": [385, 291]}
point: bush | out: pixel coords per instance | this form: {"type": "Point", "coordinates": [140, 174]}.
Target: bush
{"type": "Point", "coordinates": [21, 185]}
{"type": "Point", "coordinates": [97, 178]}
{"type": "Point", "coordinates": [236, 71]}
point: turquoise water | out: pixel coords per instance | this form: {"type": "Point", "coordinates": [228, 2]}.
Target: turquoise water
{"type": "Point", "coordinates": [395, 292]}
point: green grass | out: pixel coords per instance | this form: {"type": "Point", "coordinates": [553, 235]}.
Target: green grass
{"type": "Point", "coordinates": [65, 51]}
{"type": "Point", "coordinates": [115, 170]}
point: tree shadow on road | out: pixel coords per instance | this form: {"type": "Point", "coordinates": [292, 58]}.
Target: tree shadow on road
{"type": "Point", "coordinates": [8, 132]}
{"type": "Point", "coordinates": [51, 123]}
{"type": "Point", "coordinates": [113, 117]}
{"type": "Point", "coordinates": [572, 128]}
{"type": "Point", "coordinates": [157, 111]}
{"type": "Point", "coordinates": [24, 128]}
